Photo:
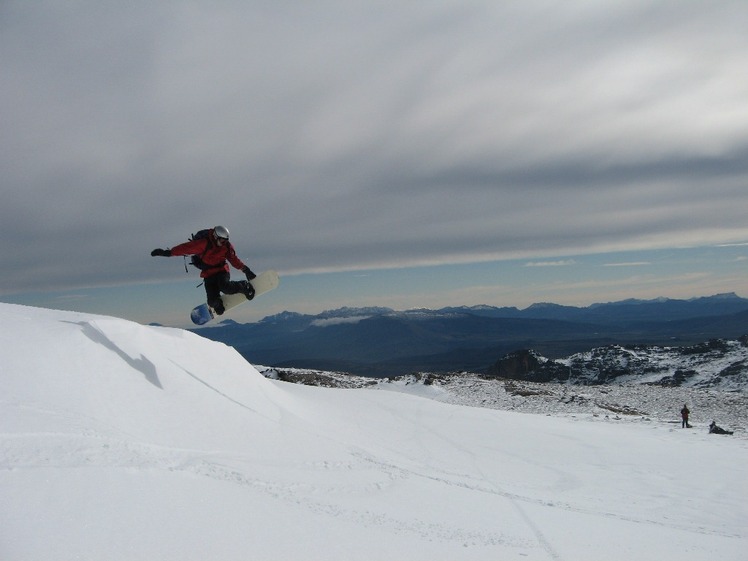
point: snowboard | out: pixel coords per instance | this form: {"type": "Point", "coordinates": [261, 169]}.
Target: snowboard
{"type": "Point", "coordinates": [262, 283]}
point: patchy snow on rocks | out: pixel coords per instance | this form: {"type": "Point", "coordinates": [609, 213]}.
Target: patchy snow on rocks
{"type": "Point", "coordinates": [717, 364]}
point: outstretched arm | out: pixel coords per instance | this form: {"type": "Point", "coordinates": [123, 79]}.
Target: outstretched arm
{"type": "Point", "coordinates": [187, 248]}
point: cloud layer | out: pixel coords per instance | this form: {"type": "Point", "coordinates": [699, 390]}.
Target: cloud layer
{"type": "Point", "coordinates": [358, 135]}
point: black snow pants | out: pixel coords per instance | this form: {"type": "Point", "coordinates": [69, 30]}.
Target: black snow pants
{"type": "Point", "coordinates": [218, 283]}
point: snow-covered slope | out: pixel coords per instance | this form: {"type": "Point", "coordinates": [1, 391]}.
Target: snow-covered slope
{"type": "Point", "coordinates": [119, 441]}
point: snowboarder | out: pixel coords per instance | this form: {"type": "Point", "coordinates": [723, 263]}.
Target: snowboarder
{"type": "Point", "coordinates": [714, 429]}
{"type": "Point", "coordinates": [684, 417]}
{"type": "Point", "coordinates": [210, 252]}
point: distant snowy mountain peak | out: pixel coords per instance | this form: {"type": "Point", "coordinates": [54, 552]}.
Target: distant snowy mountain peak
{"type": "Point", "coordinates": [326, 322]}
{"type": "Point", "coordinates": [281, 317]}
{"type": "Point", "coordinates": [721, 296]}
{"type": "Point", "coordinates": [425, 313]}
{"type": "Point", "coordinates": [348, 312]}
{"type": "Point", "coordinates": [545, 305]}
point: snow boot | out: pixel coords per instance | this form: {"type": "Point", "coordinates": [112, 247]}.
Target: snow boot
{"type": "Point", "coordinates": [217, 306]}
{"type": "Point", "coordinates": [248, 290]}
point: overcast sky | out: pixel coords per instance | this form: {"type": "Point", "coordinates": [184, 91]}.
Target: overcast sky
{"type": "Point", "coordinates": [359, 135]}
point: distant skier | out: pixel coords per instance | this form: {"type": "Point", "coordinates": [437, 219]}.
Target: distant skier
{"type": "Point", "coordinates": [684, 417]}
{"type": "Point", "coordinates": [210, 250]}
{"type": "Point", "coordinates": [714, 429]}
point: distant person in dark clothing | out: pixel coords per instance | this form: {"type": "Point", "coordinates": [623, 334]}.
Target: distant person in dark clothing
{"type": "Point", "coordinates": [684, 416]}
{"type": "Point", "coordinates": [714, 429]}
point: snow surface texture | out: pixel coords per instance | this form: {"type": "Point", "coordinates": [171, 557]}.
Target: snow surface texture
{"type": "Point", "coordinates": [121, 442]}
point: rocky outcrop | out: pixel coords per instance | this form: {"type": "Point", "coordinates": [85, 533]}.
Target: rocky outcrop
{"type": "Point", "coordinates": [529, 366]}
{"type": "Point", "coordinates": [713, 364]}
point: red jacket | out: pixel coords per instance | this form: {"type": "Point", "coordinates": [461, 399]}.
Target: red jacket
{"type": "Point", "coordinates": [215, 255]}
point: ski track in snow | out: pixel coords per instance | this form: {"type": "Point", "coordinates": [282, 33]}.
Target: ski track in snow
{"type": "Point", "coordinates": [105, 450]}
{"type": "Point", "coordinates": [104, 447]}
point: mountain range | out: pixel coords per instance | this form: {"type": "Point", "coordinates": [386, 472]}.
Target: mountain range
{"type": "Point", "coordinates": [382, 342]}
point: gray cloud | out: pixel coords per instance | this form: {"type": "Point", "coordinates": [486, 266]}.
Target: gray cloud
{"type": "Point", "coordinates": [353, 135]}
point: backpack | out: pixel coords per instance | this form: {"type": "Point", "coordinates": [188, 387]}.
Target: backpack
{"type": "Point", "coordinates": [197, 260]}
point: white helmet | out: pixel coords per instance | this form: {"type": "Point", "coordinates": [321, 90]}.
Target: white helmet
{"type": "Point", "coordinates": [221, 232]}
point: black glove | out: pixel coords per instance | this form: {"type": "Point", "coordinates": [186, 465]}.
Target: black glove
{"type": "Point", "coordinates": [250, 274]}
{"type": "Point", "coordinates": [161, 253]}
